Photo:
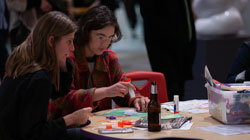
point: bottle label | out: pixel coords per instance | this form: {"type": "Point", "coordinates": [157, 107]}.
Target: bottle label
{"type": "Point", "coordinates": [153, 90]}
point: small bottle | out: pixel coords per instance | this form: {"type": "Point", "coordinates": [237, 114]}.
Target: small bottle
{"type": "Point", "coordinates": [131, 91]}
{"type": "Point", "coordinates": [154, 110]}
{"type": "Point", "coordinates": [176, 104]}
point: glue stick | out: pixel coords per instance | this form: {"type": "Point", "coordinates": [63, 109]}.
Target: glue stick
{"type": "Point", "coordinates": [131, 91]}
{"type": "Point", "coordinates": [176, 104]}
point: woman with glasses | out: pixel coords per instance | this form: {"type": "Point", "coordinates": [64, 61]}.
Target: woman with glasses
{"type": "Point", "coordinates": [97, 76]}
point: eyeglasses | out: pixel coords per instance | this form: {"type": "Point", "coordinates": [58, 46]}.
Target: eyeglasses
{"type": "Point", "coordinates": [104, 38]}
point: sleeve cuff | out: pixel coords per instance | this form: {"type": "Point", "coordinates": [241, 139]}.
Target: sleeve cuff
{"type": "Point", "coordinates": [82, 98]}
{"type": "Point", "coordinates": [240, 76]}
{"type": "Point", "coordinates": [60, 125]}
{"type": "Point", "coordinates": [91, 97]}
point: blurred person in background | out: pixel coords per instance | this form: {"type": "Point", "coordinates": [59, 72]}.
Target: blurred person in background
{"type": "Point", "coordinates": [79, 7]}
{"type": "Point", "coordinates": [170, 39]}
{"type": "Point", "coordinates": [3, 37]}
{"type": "Point", "coordinates": [25, 13]}
{"type": "Point", "coordinates": [240, 69]}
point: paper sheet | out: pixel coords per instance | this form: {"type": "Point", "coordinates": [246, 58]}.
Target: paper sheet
{"type": "Point", "coordinates": [227, 129]}
{"type": "Point", "coordinates": [186, 126]}
{"type": "Point", "coordinates": [191, 106]}
{"type": "Point", "coordinates": [128, 112]}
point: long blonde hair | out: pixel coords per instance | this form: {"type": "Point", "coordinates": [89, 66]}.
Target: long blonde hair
{"type": "Point", "coordinates": [35, 53]}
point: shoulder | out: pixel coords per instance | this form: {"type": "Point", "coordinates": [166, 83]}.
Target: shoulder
{"type": "Point", "coordinates": [41, 77]}
{"type": "Point", "coordinates": [244, 48]}
{"type": "Point", "coordinates": [36, 75]}
{"type": "Point", "coordinates": [245, 45]}
{"type": "Point", "coordinates": [41, 74]}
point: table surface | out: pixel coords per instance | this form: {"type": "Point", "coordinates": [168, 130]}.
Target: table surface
{"type": "Point", "coordinates": [201, 119]}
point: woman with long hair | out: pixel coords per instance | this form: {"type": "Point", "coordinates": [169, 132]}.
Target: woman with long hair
{"type": "Point", "coordinates": [36, 71]}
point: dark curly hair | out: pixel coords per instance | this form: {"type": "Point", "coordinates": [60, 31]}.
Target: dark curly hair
{"type": "Point", "coordinates": [94, 19]}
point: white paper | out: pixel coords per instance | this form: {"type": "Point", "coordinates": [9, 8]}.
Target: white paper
{"type": "Point", "coordinates": [227, 129]}
{"type": "Point", "coordinates": [191, 106]}
{"type": "Point", "coordinates": [186, 126]}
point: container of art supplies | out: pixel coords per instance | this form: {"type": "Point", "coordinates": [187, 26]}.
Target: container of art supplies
{"type": "Point", "coordinates": [229, 107]}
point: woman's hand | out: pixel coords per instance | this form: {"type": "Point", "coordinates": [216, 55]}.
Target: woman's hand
{"type": "Point", "coordinates": [78, 117]}
{"type": "Point", "coordinates": [119, 89]}
{"type": "Point", "coordinates": [141, 103]}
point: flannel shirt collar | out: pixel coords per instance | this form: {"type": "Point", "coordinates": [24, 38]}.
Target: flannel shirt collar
{"type": "Point", "coordinates": [80, 56]}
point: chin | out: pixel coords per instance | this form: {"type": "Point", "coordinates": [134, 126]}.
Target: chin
{"type": "Point", "coordinates": [99, 53]}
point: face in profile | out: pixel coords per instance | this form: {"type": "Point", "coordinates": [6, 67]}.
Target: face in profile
{"type": "Point", "coordinates": [100, 40]}
{"type": "Point", "coordinates": [64, 47]}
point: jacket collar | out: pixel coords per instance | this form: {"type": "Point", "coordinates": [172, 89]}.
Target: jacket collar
{"type": "Point", "coordinates": [82, 63]}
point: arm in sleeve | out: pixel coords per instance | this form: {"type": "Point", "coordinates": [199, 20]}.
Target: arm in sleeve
{"type": "Point", "coordinates": [74, 100]}
{"type": "Point", "coordinates": [33, 113]}
{"type": "Point", "coordinates": [117, 74]}
{"type": "Point", "coordinates": [240, 63]}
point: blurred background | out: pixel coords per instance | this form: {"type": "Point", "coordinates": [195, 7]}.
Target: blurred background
{"type": "Point", "coordinates": [216, 43]}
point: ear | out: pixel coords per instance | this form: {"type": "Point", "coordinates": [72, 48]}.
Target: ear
{"type": "Point", "coordinates": [51, 41]}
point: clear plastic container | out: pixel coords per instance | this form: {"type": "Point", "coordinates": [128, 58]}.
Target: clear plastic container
{"type": "Point", "coordinates": [229, 107]}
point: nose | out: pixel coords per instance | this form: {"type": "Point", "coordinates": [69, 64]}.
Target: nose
{"type": "Point", "coordinates": [72, 48]}
{"type": "Point", "coordinates": [107, 42]}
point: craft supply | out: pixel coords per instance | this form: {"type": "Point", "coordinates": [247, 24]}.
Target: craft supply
{"type": "Point", "coordinates": [111, 117]}
{"type": "Point", "coordinates": [176, 104]}
{"type": "Point", "coordinates": [131, 91]}
{"type": "Point", "coordinates": [130, 112]}
{"type": "Point", "coordinates": [113, 131]}
{"type": "Point", "coordinates": [108, 126]}
{"type": "Point", "coordinates": [120, 124]}
{"type": "Point", "coordinates": [127, 122]}
{"type": "Point", "coordinates": [178, 122]}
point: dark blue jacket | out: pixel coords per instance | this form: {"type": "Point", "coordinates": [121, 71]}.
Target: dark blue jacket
{"type": "Point", "coordinates": [240, 63]}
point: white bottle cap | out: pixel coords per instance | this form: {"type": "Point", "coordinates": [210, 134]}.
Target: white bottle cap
{"type": "Point", "coordinates": [176, 97]}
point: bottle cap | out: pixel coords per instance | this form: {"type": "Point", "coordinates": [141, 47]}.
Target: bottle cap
{"type": "Point", "coordinates": [176, 97]}
{"type": "Point", "coordinates": [128, 80]}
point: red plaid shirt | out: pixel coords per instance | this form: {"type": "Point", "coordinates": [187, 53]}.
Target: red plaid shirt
{"type": "Point", "coordinates": [107, 72]}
